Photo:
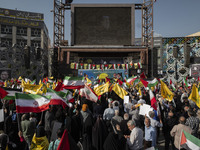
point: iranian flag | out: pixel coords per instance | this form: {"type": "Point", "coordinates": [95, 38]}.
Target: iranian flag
{"type": "Point", "coordinates": [73, 82]}
{"type": "Point", "coordinates": [88, 93]}
{"type": "Point", "coordinates": [131, 79]}
{"type": "Point", "coordinates": [185, 82]}
{"type": "Point", "coordinates": [153, 100]}
{"type": "Point", "coordinates": [189, 141]}
{"type": "Point", "coordinates": [172, 85]}
{"type": "Point", "coordinates": [57, 98]}
{"type": "Point", "coordinates": [139, 65]}
{"type": "Point", "coordinates": [68, 95]}
{"type": "Point", "coordinates": [152, 83]}
{"type": "Point", "coordinates": [26, 103]}
{"type": "Point", "coordinates": [89, 66]}
{"type": "Point", "coordinates": [114, 66]}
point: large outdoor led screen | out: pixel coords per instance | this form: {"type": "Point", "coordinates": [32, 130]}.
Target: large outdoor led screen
{"type": "Point", "coordinates": [103, 25]}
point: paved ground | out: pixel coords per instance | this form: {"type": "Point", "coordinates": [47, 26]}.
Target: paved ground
{"type": "Point", "coordinates": [161, 142]}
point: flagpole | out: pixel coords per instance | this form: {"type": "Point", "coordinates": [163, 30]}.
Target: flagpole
{"type": "Point", "coordinates": [42, 116]}
{"type": "Point", "coordinates": [18, 122]}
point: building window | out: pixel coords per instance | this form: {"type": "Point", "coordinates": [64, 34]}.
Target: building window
{"type": "Point", "coordinates": [6, 29]}
{"type": "Point", "coordinates": [22, 31]}
{"type": "Point", "coordinates": [35, 32]}
{"type": "Point", "coordinates": [35, 43]}
{"type": "Point", "coordinates": [21, 42]}
{"type": "Point", "coordinates": [6, 42]}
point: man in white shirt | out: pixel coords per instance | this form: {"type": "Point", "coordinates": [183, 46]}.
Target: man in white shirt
{"type": "Point", "coordinates": [135, 140]}
{"type": "Point", "coordinates": [141, 101]}
{"type": "Point", "coordinates": [108, 112]}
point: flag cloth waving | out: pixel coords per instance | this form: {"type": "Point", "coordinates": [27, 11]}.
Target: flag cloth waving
{"type": "Point", "coordinates": [11, 93]}
{"type": "Point", "coordinates": [64, 142]}
{"type": "Point", "coordinates": [165, 92]}
{"type": "Point", "coordinates": [101, 89]}
{"type": "Point", "coordinates": [189, 141]}
{"type": "Point", "coordinates": [194, 96]}
{"type": "Point", "coordinates": [172, 85]}
{"type": "Point", "coordinates": [153, 100]}
{"type": "Point", "coordinates": [57, 98]}
{"type": "Point", "coordinates": [39, 143]}
{"type": "Point", "coordinates": [145, 83]}
{"type": "Point", "coordinates": [131, 80]}
{"type": "Point", "coordinates": [26, 103]}
{"type": "Point", "coordinates": [152, 83]}
{"type": "Point", "coordinates": [185, 82]}
{"type": "Point", "coordinates": [119, 91]}
{"type": "Point", "coordinates": [3, 93]}
{"type": "Point", "coordinates": [32, 89]}
{"type": "Point", "coordinates": [73, 82]}
{"type": "Point", "coordinates": [88, 93]}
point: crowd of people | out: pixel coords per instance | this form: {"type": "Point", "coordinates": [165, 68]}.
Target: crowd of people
{"type": "Point", "coordinates": [108, 124]}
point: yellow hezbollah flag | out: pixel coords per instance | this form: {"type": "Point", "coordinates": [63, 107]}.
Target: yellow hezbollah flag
{"type": "Point", "coordinates": [51, 77]}
{"type": "Point", "coordinates": [40, 82]}
{"type": "Point", "coordinates": [33, 89]}
{"type": "Point", "coordinates": [139, 85]}
{"type": "Point", "coordinates": [39, 143]}
{"type": "Point", "coordinates": [23, 82]}
{"type": "Point", "coordinates": [101, 89]}
{"type": "Point", "coordinates": [165, 92]}
{"type": "Point", "coordinates": [110, 88]}
{"type": "Point", "coordinates": [54, 85]}
{"type": "Point", "coordinates": [48, 85]}
{"type": "Point", "coordinates": [194, 96]}
{"type": "Point", "coordinates": [119, 91]}
{"type": "Point", "coordinates": [5, 84]}
{"type": "Point", "coordinates": [43, 90]}
{"type": "Point", "coordinates": [140, 92]}
{"type": "Point", "coordinates": [88, 82]}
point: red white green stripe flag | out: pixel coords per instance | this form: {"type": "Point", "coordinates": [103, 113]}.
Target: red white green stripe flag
{"type": "Point", "coordinates": [172, 85]}
{"type": "Point", "coordinates": [189, 141]}
{"type": "Point", "coordinates": [153, 100]}
{"type": "Point", "coordinates": [68, 95]}
{"type": "Point", "coordinates": [114, 66]}
{"type": "Point", "coordinates": [88, 93]}
{"type": "Point", "coordinates": [185, 82]}
{"type": "Point", "coordinates": [152, 83]}
{"type": "Point", "coordinates": [26, 103]}
{"type": "Point", "coordinates": [73, 82]}
{"type": "Point", "coordinates": [57, 98]}
{"type": "Point", "coordinates": [131, 79]}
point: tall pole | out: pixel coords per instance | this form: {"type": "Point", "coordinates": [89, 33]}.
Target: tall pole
{"type": "Point", "coordinates": [147, 27]}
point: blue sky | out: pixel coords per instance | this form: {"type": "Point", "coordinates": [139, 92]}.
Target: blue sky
{"type": "Point", "coordinates": [172, 18]}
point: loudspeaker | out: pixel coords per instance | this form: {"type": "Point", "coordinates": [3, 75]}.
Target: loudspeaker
{"type": "Point", "coordinates": [196, 60]}
{"type": "Point", "coordinates": [175, 51]}
{"type": "Point", "coordinates": [27, 56]}
{"type": "Point", "coordinates": [187, 49]}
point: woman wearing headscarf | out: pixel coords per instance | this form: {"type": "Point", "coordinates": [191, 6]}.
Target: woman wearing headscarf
{"type": "Point", "coordinates": [87, 123]}
{"type": "Point", "coordinates": [99, 134]}
{"type": "Point", "coordinates": [115, 141]}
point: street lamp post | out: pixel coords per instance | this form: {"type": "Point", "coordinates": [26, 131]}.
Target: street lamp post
{"type": "Point", "coordinates": [175, 54]}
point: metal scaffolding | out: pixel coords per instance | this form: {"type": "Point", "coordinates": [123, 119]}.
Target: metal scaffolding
{"type": "Point", "coordinates": [59, 22]}
{"type": "Point", "coordinates": [147, 23]}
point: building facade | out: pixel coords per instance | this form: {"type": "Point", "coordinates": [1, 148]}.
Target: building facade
{"type": "Point", "coordinates": [100, 41]}
{"type": "Point", "coordinates": [23, 28]}
{"type": "Point", "coordinates": [24, 43]}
